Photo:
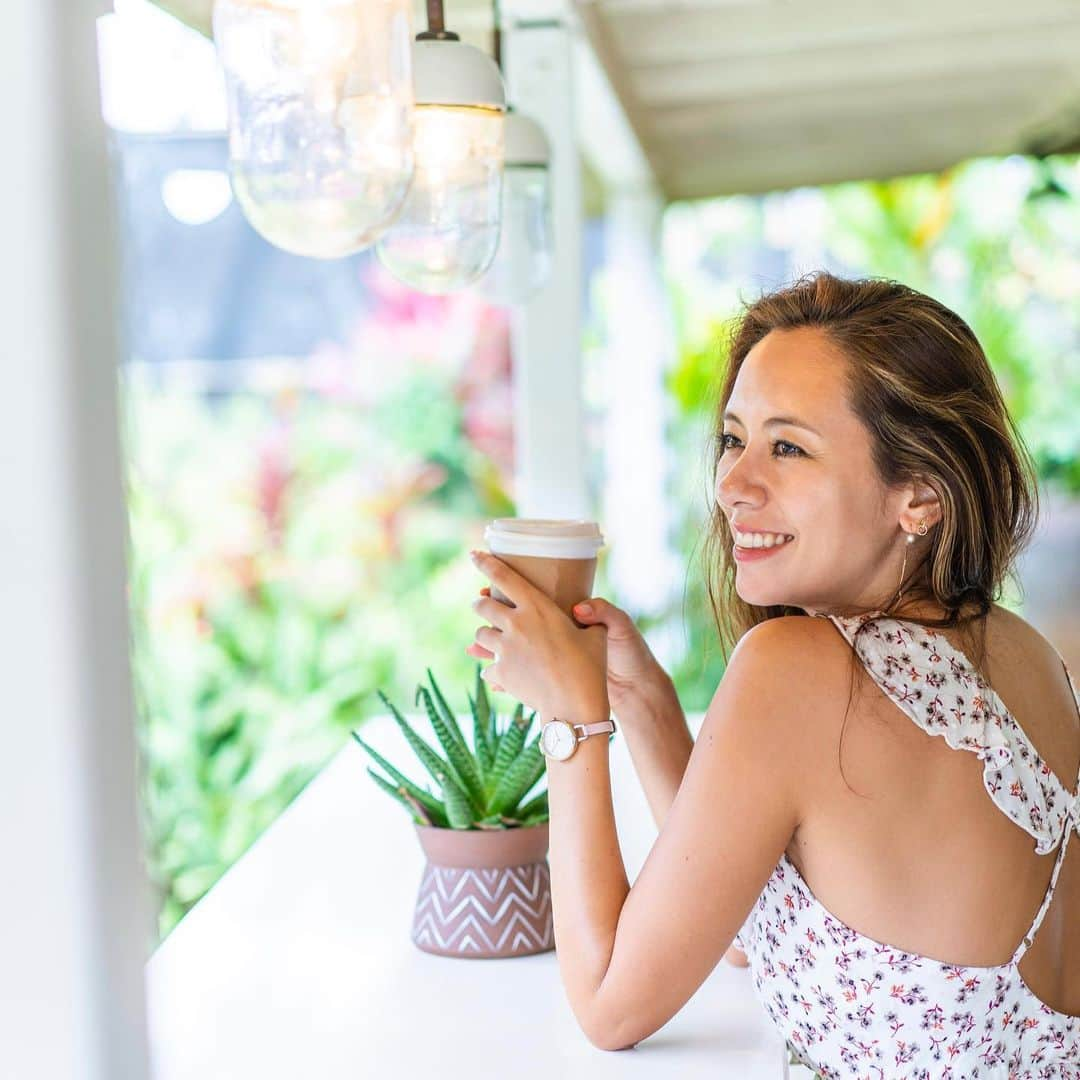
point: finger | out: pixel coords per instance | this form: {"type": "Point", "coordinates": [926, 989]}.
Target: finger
{"type": "Point", "coordinates": [489, 638]}
{"type": "Point", "coordinates": [509, 582]}
{"type": "Point", "coordinates": [486, 676]}
{"type": "Point", "coordinates": [497, 614]}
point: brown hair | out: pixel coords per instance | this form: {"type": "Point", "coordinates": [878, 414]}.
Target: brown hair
{"type": "Point", "coordinates": [920, 383]}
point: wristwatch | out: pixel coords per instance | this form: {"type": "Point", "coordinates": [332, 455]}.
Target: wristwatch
{"type": "Point", "coordinates": [559, 739]}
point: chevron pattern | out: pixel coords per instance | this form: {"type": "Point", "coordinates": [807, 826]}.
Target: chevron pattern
{"type": "Point", "coordinates": [484, 913]}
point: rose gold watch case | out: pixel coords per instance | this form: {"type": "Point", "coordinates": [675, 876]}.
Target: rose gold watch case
{"type": "Point", "coordinates": [574, 731]}
{"type": "Point", "coordinates": [580, 735]}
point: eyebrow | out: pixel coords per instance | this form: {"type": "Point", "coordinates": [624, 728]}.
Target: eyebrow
{"type": "Point", "coordinates": [776, 421]}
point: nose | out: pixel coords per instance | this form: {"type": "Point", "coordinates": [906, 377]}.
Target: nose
{"type": "Point", "coordinates": [739, 483]}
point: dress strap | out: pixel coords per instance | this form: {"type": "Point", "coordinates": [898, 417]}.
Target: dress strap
{"type": "Point", "coordinates": [938, 688]}
{"type": "Point", "coordinates": [1029, 937]}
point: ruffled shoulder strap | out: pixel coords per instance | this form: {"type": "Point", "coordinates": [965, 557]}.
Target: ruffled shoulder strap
{"type": "Point", "coordinates": [933, 682]}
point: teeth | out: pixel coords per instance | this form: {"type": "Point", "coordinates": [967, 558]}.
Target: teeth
{"type": "Point", "coordinates": [758, 540]}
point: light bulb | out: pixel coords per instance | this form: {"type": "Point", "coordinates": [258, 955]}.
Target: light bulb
{"type": "Point", "coordinates": [447, 232]}
{"type": "Point", "coordinates": [523, 262]}
{"type": "Point", "coordinates": [320, 117]}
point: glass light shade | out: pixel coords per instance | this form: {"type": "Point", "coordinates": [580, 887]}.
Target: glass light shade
{"type": "Point", "coordinates": [523, 262]}
{"type": "Point", "coordinates": [448, 230]}
{"type": "Point", "coordinates": [320, 117]}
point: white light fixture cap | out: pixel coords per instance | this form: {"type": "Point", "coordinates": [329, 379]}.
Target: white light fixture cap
{"type": "Point", "coordinates": [453, 73]}
{"type": "Point", "coordinates": [526, 142]}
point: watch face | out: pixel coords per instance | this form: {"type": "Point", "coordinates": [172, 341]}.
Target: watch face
{"type": "Point", "coordinates": [558, 740]}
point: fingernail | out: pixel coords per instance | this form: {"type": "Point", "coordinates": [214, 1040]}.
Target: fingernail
{"type": "Point", "coordinates": [583, 609]}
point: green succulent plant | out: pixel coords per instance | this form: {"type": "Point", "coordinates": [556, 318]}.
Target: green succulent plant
{"type": "Point", "coordinates": [481, 788]}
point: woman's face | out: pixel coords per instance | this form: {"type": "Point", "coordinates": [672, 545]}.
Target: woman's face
{"type": "Point", "coordinates": [797, 472]}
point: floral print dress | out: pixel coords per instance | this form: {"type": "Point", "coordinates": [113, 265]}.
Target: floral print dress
{"type": "Point", "coordinates": [850, 1006]}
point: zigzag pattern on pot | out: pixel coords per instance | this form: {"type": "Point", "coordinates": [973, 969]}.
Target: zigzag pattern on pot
{"type": "Point", "coordinates": [481, 911]}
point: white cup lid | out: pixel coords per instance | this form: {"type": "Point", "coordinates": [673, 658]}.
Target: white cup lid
{"type": "Point", "coordinates": [544, 538]}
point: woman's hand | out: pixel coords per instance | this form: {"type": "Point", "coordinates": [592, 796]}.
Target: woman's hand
{"type": "Point", "coordinates": [541, 657]}
{"type": "Point", "coordinates": [631, 666]}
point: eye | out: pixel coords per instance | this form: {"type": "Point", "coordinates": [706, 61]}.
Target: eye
{"type": "Point", "coordinates": [795, 450]}
{"type": "Point", "coordinates": [723, 441]}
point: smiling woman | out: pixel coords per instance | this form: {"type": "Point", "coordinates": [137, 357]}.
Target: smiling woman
{"type": "Point", "coordinates": [829, 383]}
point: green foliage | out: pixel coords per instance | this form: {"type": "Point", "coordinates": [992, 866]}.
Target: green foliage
{"type": "Point", "coordinates": [291, 552]}
{"type": "Point", "coordinates": [475, 795]}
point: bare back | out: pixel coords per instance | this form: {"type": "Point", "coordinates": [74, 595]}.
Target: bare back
{"type": "Point", "coordinates": [918, 855]}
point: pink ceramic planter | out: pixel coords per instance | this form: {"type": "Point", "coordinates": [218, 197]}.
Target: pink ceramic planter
{"type": "Point", "coordinates": [485, 893]}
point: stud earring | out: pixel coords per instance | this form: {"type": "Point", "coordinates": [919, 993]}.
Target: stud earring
{"type": "Point", "coordinates": [922, 530]}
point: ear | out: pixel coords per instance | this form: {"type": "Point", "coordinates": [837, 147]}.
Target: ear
{"type": "Point", "coordinates": [920, 503]}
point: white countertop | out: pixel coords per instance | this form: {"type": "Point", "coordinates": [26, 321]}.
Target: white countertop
{"type": "Point", "coordinates": [298, 964]}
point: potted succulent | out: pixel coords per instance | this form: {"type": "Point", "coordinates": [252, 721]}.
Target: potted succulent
{"type": "Point", "coordinates": [486, 886]}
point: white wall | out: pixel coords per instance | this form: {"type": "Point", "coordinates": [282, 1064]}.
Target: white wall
{"type": "Point", "coordinates": [75, 925]}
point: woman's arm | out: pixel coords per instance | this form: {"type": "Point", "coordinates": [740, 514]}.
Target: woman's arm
{"type": "Point", "coordinates": [654, 726]}
{"type": "Point", "coordinates": [660, 744]}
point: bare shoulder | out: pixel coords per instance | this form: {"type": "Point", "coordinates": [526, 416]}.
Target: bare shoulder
{"type": "Point", "coordinates": [1013, 643]}
{"type": "Point", "coordinates": [791, 673]}
{"type": "Point", "coordinates": [810, 654]}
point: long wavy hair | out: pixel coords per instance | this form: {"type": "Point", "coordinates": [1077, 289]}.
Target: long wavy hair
{"type": "Point", "coordinates": [919, 381]}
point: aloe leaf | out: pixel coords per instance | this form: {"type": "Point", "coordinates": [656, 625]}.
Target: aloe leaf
{"type": "Point", "coordinates": [447, 714]}
{"type": "Point", "coordinates": [419, 815]}
{"type": "Point", "coordinates": [428, 758]}
{"type": "Point", "coordinates": [513, 739]}
{"type": "Point", "coordinates": [458, 810]}
{"type": "Point", "coordinates": [463, 765]}
{"type": "Point", "coordinates": [486, 713]}
{"type": "Point", "coordinates": [480, 740]}
{"type": "Point", "coordinates": [535, 806]}
{"type": "Point", "coordinates": [518, 779]}
{"type": "Point", "coordinates": [434, 808]}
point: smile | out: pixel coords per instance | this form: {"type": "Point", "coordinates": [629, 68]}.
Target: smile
{"type": "Point", "coordinates": [749, 547]}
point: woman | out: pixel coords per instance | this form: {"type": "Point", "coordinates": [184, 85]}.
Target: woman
{"type": "Point", "coordinates": [879, 803]}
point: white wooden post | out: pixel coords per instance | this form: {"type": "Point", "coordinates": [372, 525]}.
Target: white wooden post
{"type": "Point", "coordinates": [75, 923]}
{"type": "Point", "coordinates": [549, 438]}
{"type": "Point", "coordinates": [638, 350]}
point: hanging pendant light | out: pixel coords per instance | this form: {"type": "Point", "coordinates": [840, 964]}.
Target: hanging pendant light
{"type": "Point", "coordinates": [522, 265]}
{"type": "Point", "coordinates": [447, 232]}
{"type": "Point", "coordinates": [320, 117]}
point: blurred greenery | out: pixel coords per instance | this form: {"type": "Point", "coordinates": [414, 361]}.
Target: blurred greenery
{"type": "Point", "coordinates": [292, 552]}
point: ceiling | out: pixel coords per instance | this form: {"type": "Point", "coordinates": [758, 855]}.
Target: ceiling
{"type": "Point", "coordinates": [730, 96]}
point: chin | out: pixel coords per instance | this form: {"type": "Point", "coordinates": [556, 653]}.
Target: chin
{"type": "Point", "coordinates": [762, 595]}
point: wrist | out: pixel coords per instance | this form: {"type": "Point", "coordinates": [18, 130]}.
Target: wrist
{"type": "Point", "coordinates": [648, 702]}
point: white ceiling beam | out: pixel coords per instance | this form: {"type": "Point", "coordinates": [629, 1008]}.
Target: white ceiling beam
{"type": "Point", "coordinates": [834, 108]}
{"type": "Point", "coordinates": [673, 37]}
{"type": "Point", "coordinates": [728, 165]}
{"type": "Point", "coordinates": [983, 55]}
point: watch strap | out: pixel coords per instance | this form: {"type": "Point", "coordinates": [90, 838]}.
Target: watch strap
{"type": "Point", "coordinates": [601, 727]}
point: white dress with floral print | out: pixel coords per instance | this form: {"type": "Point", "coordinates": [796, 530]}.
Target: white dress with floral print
{"type": "Point", "coordinates": [849, 1006]}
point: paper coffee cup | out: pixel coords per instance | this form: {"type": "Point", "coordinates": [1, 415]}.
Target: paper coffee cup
{"type": "Point", "coordinates": [558, 556]}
